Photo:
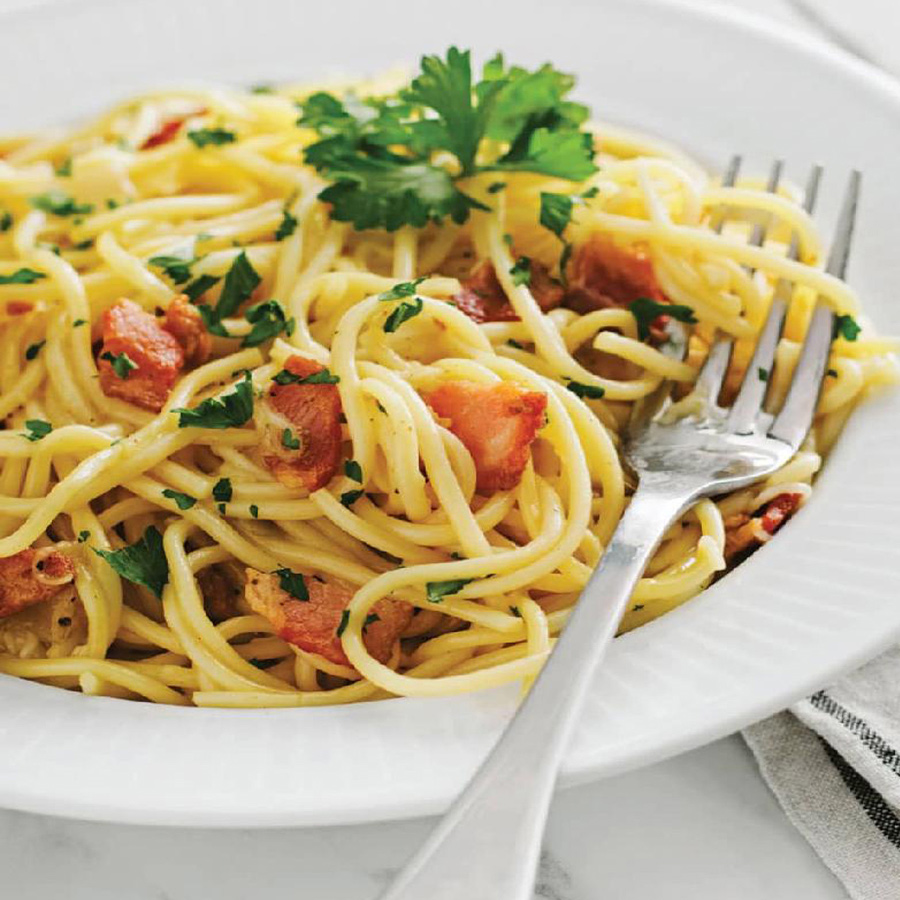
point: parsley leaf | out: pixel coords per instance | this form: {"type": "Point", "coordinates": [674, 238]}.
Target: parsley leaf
{"type": "Point", "coordinates": [585, 391]}
{"type": "Point", "coordinates": [178, 268]}
{"type": "Point", "coordinates": [199, 286]}
{"type": "Point", "coordinates": [379, 153]}
{"type": "Point", "coordinates": [646, 311]}
{"type": "Point", "coordinates": [353, 470]}
{"type": "Point", "coordinates": [437, 590]}
{"type": "Point", "coordinates": [123, 365]}
{"type": "Point", "coordinates": [59, 204]}
{"type": "Point", "coordinates": [323, 376]}
{"type": "Point", "coordinates": [292, 583]}
{"type": "Point", "coordinates": [846, 327]}
{"type": "Point", "coordinates": [268, 320]}
{"type": "Point", "coordinates": [345, 621]}
{"type": "Point", "coordinates": [241, 281]}
{"type": "Point", "coordinates": [22, 276]}
{"type": "Point", "coordinates": [83, 536]}
{"type": "Point", "coordinates": [203, 137]}
{"type": "Point", "coordinates": [402, 289]}
{"type": "Point", "coordinates": [37, 429]}
{"type": "Point", "coordinates": [348, 498]}
{"type": "Point", "coordinates": [229, 411]}
{"type": "Point", "coordinates": [32, 350]}
{"type": "Point", "coordinates": [6, 221]}
{"type": "Point", "coordinates": [182, 501]}
{"type": "Point", "coordinates": [288, 441]}
{"type": "Point", "coordinates": [79, 322]}
{"type": "Point", "coordinates": [287, 227]}
{"type": "Point", "coordinates": [141, 563]}
{"type": "Point", "coordinates": [254, 510]}
{"type": "Point", "coordinates": [64, 169]}
{"type": "Point", "coordinates": [402, 313]}
{"type": "Point", "coordinates": [763, 374]}
{"type": "Point", "coordinates": [222, 490]}
{"type": "Point", "coordinates": [556, 209]}
{"type": "Point", "coordinates": [521, 271]}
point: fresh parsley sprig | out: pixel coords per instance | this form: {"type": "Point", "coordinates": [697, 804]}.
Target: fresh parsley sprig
{"type": "Point", "coordinates": [22, 276]}
{"type": "Point", "coordinates": [646, 311]}
{"type": "Point", "coordinates": [380, 153]}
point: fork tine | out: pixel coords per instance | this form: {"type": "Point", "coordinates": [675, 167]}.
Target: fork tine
{"type": "Point", "coordinates": [795, 418]}
{"type": "Point", "coordinates": [752, 393]}
{"type": "Point", "coordinates": [715, 368]}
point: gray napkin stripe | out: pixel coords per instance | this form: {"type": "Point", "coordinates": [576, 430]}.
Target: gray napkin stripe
{"type": "Point", "coordinates": [881, 815]}
{"type": "Point", "coordinates": [879, 747]}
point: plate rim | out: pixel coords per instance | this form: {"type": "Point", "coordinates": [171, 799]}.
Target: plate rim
{"type": "Point", "coordinates": [867, 75]}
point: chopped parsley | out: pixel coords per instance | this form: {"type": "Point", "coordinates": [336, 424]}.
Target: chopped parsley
{"type": "Point", "coordinates": [832, 373]}
{"type": "Point", "coordinates": [402, 313]}
{"type": "Point", "coordinates": [288, 441]}
{"type": "Point", "coordinates": [379, 153]}
{"type": "Point", "coordinates": [64, 169]}
{"type": "Point", "coordinates": [323, 376]}
{"type": "Point", "coordinates": [58, 203]}
{"type": "Point", "coordinates": [292, 583]}
{"type": "Point", "coordinates": [556, 209]}
{"type": "Point", "coordinates": [348, 498]}
{"type": "Point", "coordinates": [222, 490]}
{"type": "Point", "coordinates": [371, 619]}
{"type": "Point", "coordinates": [204, 137]}
{"type": "Point", "coordinates": [199, 286]}
{"type": "Point", "coordinates": [6, 221]}
{"type": "Point", "coordinates": [262, 89]}
{"type": "Point", "coordinates": [521, 271]}
{"type": "Point", "coordinates": [345, 621]}
{"type": "Point", "coordinates": [141, 563]}
{"type": "Point", "coordinates": [240, 282]}
{"type": "Point", "coordinates": [79, 322]}
{"type": "Point", "coordinates": [846, 327]}
{"type": "Point", "coordinates": [37, 429]}
{"type": "Point", "coordinates": [437, 590]}
{"type": "Point", "coordinates": [516, 344]}
{"type": "Point", "coordinates": [763, 374]}
{"type": "Point", "coordinates": [177, 268]}
{"type": "Point", "coordinates": [83, 536]}
{"type": "Point", "coordinates": [229, 411]}
{"type": "Point", "coordinates": [353, 470]}
{"type": "Point", "coordinates": [496, 187]}
{"type": "Point", "coordinates": [401, 290]}
{"type": "Point", "coordinates": [646, 311]}
{"type": "Point", "coordinates": [287, 226]}
{"type": "Point", "coordinates": [123, 365]}
{"type": "Point", "coordinates": [585, 391]}
{"type": "Point", "coordinates": [182, 501]}
{"type": "Point", "coordinates": [254, 510]}
{"type": "Point", "coordinates": [268, 320]}
{"type": "Point", "coordinates": [22, 276]}
{"type": "Point", "coordinates": [32, 350]}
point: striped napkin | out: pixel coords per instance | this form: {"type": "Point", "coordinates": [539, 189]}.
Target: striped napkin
{"type": "Point", "coordinates": [833, 762]}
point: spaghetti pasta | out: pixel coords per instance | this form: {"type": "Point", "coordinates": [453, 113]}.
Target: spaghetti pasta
{"type": "Point", "coordinates": [356, 465]}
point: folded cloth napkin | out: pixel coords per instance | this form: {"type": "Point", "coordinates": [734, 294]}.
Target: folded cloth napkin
{"type": "Point", "coordinates": [833, 762]}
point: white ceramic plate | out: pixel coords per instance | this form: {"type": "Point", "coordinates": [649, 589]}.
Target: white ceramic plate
{"type": "Point", "coordinates": [817, 601]}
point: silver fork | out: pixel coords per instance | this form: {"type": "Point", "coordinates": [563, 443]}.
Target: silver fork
{"type": "Point", "coordinates": [487, 845]}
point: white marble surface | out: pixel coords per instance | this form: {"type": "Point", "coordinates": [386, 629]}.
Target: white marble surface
{"type": "Point", "coordinates": [701, 826]}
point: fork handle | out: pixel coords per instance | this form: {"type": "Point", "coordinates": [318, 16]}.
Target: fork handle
{"type": "Point", "coordinates": [487, 846]}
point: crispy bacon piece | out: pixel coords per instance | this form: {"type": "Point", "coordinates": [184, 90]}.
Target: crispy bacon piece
{"type": "Point", "coordinates": [312, 624]}
{"type": "Point", "coordinates": [313, 414]}
{"type": "Point", "coordinates": [127, 328]}
{"type": "Point", "coordinates": [221, 596]}
{"type": "Point", "coordinates": [602, 274]}
{"type": "Point", "coordinates": [18, 308]}
{"type": "Point", "coordinates": [496, 422]}
{"type": "Point", "coordinates": [483, 300]}
{"type": "Point", "coordinates": [744, 533]}
{"type": "Point", "coordinates": [186, 325]}
{"type": "Point", "coordinates": [32, 576]}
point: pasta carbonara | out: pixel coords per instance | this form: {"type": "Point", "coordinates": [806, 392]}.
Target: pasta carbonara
{"type": "Point", "coordinates": [314, 395]}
